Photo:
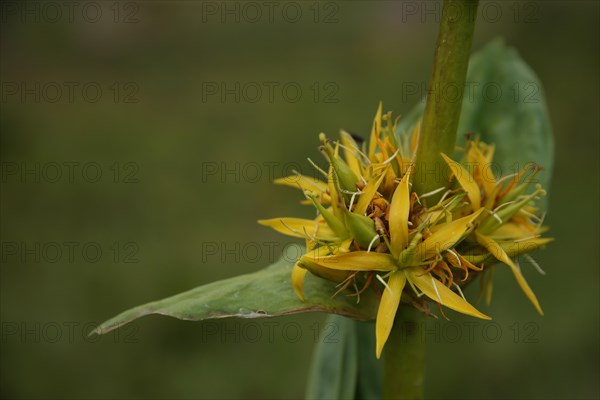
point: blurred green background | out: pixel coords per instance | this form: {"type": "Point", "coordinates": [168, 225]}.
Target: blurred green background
{"type": "Point", "coordinates": [79, 248]}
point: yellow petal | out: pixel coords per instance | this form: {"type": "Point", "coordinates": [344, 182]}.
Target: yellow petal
{"type": "Point", "coordinates": [414, 142]}
{"type": "Point", "coordinates": [437, 291]}
{"type": "Point", "coordinates": [351, 151]}
{"type": "Point", "coordinates": [466, 181]}
{"type": "Point", "coordinates": [491, 198]}
{"type": "Point", "coordinates": [398, 217]}
{"type": "Point", "coordinates": [355, 261]}
{"type": "Point", "coordinates": [329, 274]}
{"type": "Point", "coordinates": [489, 287]}
{"type": "Point", "coordinates": [303, 182]}
{"type": "Point", "coordinates": [387, 309]}
{"type": "Point", "coordinates": [375, 134]}
{"type": "Point", "coordinates": [447, 235]}
{"type": "Point", "coordinates": [498, 252]}
{"type": "Point", "coordinates": [513, 248]}
{"type": "Point", "coordinates": [299, 227]}
{"type": "Point", "coordinates": [367, 194]}
{"type": "Point", "coordinates": [485, 173]}
{"type": "Point", "coordinates": [298, 274]}
{"type": "Point", "coordinates": [489, 152]}
{"type": "Point", "coordinates": [513, 189]}
{"type": "Point", "coordinates": [512, 230]}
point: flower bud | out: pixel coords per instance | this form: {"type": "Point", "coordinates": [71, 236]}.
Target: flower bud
{"type": "Point", "coordinates": [336, 225]}
{"type": "Point", "coordinates": [506, 213]}
{"type": "Point", "coordinates": [362, 229]}
{"type": "Point", "coordinates": [346, 178]}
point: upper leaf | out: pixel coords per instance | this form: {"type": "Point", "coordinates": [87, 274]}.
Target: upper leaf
{"type": "Point", "coordinates": [504, 103]}
{"type": "Point", "coordinates": [507, 107]}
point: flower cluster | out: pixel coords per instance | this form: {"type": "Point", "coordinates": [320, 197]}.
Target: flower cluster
{"type": "Point", "coordinates": [373, 232]}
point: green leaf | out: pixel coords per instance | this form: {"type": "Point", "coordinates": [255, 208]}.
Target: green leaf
{"type": "Point", "coordinates": [515, 119]}
{"type": "Point", "coordinates": [508, 108]}
{"type": "Point", "coordinates": [266, 293]}
{"type": "Point", "coordinates": [334, 367]}
{"type": "Point", "coordinates": [369, 384]}
{"type": "Point", "coordinates": [407, 122]}
{"type": "Point", "coordinates": [344, 364]}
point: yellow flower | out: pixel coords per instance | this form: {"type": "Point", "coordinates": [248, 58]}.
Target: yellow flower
{"type": "Point", "coordinates": [373, 231]}
{"type": "Point", "coordinates": [508, 215]}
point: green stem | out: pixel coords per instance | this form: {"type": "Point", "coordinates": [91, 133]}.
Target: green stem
{"type": "Point", "coordinates": [404, 356]}
{"type": "Point", "coordinates": [446, 87]}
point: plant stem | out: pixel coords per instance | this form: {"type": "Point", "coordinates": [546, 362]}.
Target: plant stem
{"type": "Point", "coordinates": [404, 356]}
{"type": "Point", "coordinates": [445, 94]}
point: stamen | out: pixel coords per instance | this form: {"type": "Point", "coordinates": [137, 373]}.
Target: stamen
{"type": "Point", "coordinates": [352, 201]}
{"type": "Point", "coordinates": [455, 256]}
{"type": "Point", "coordinates": [414, 288]}
{"type": "Point", "coordinates": [290, 228]}
{"type": "Point", "coordinates": [372, 242]}
{"type": "Point", "coordinates": [436, 291]}
{"type": "Point", "coordinates": [535, 264]}
{"type": "Point", "coordinates": [354, 150]}
{"type": "Point", "coordinates": [530, 215]}
{"type": "Point", "coordinates": [502, 205]}
{"type": "Point", "coordinates": [349, 192]}
{"type": "Point", "coordinates": [542, 218]}
{"type": "Point", "coordinates": [391, 158]}
{"type": "Point", "coordinates": [357, 293]}
{"type": "Point", "coordinates": [506, 177]}
{"type": "Point", "coordinates": [316, 230]}
{"type": "Point", "coordinates": [346, 280]}
{"type": "Point", "coordinates": [311, 183]}
{"type": "Point", "coordinates": [315, 166]}
{"type": "Point", "coordinates": [313, 237]}
{"type": "Point", "coordinates": [496, 216]}
{"type": "Point", "coordinates": [342, 288]}
{"type": "Point", "coordinates": [526, 238]}
{"type": "Point", "coordinates": [459, 291]}
{"type": "Point", "coordinates": [444, 195]}
{"type": "Point", "coordinates": [433, 192]}
{"type": "Point", "coordinates": [380, 279]}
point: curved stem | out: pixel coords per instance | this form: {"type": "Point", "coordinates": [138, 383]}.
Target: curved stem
{"type": "Point", "coordinates": [445, 94]}
{"type": "Point", "coordinates": [404, 356]}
